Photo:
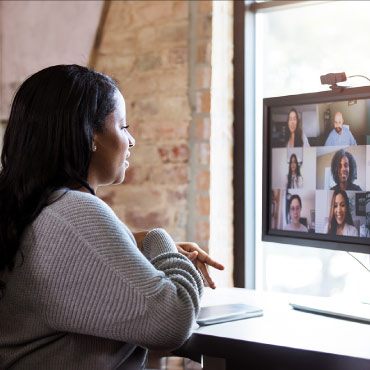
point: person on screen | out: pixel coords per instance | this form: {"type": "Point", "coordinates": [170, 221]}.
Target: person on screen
{"type": "Point", "coordinates": [295, 207]}
{"type": "Point", "coordinates": [344, 171]}
{"type": "Point", "coordinates": [296, 136]}
{"type": "Point", "coordinates": [365, 228]}
{"type": "Point", "coordinates": [340, 134]}
{"type": "Point", "coordinates": [340, 218]}
{"type": "Point", "coordinates": [294, 178]}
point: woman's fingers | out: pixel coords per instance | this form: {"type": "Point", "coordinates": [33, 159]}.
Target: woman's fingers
{"type": "Point", "coordinates": [201, 259]}
{"type": "Point", "coordinates": [211, 262]}
{"type": "Point", "coordinates": [207, 277]}
{"type": "Point", "coordinates": [202, 255]}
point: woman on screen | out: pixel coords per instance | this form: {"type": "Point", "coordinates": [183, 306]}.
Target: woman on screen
{"type": "Point", "coordinates": [295, 207]}
{"type": "Point", "coordinates": [294, 178]}
{"type": "Point", "coordinates": [296, 136]}
{"type": "Point", "coordinates": [340, 218]}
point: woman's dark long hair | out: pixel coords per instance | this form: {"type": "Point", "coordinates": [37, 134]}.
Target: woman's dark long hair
{"type": "Point", "coordinates": [298, 141]}
{"type": "Point", "coordinates": [298, 171]}
{"type": "Point", "coordinates": [333, 225]}
{"type": "Point", "coordinates": [47, 144]}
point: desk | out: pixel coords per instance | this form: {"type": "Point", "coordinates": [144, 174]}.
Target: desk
{"type": "Point", "coordinates": [282, 339]}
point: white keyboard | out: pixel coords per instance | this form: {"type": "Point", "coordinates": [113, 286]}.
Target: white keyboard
{"type": "Point", "coordinates": [354, 311]}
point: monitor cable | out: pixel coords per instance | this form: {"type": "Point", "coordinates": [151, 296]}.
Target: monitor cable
{"type": "Point", "coordinates": [362, 264]}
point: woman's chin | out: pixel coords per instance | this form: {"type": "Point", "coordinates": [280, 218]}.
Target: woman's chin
{"type": "Point", "coordinates": [119, 178]}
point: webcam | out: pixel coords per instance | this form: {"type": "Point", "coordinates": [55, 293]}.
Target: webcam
{"type": "Point", "coordinates": [332, 79]}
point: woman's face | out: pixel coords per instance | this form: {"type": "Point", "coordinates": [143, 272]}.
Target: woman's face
{"type": "Point", "coordinates": [110, 159]}
{"type": "Point", "coordinates": [292, 121]}
{"type": "Point", "coordinates": [295, 211]}
{"type": "Point", "coordinates": [293, 164]}
{"type": "Point", "coordinates": [340, 209]}
{"type": "Point", "coordinates": [343, 169]}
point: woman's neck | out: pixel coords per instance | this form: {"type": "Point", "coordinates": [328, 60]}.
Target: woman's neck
{"type": "Point", "coordinates": [340, 229]}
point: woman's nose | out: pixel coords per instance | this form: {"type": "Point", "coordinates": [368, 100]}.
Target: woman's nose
{"type": "Point", "coordinates": [131, 140]}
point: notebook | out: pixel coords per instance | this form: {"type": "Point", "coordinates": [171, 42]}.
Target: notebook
{"type": "Point", "coordinates": [227, 312]}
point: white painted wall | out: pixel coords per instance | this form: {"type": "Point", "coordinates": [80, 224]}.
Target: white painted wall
{"type": "Point", "coordinates": [37, 34]}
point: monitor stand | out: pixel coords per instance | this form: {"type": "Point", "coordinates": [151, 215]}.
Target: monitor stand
{"type": "Point", "coordinates": [338, 308]}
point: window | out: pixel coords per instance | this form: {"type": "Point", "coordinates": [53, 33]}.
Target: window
{"type": "Point", "coordinates": [292, 45]}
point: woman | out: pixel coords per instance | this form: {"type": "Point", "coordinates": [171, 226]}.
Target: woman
{"type": "Point", "coordinates": [296, 136]}
{"type": "Point", "coordinates": [340, 218]}
{"type": "Point", "coordinates": [294, 178]}
{"type": "Point", "coordinates": [294, 208]}
{"type": "Point", "coordinates": [80, 291]}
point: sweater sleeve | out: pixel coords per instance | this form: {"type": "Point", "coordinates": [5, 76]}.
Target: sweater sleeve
{"type": "Point", "coordinates": [95, 281]}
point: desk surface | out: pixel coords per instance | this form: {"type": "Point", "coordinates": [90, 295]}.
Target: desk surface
{"type": "Point", "coordinates": [283, 338]}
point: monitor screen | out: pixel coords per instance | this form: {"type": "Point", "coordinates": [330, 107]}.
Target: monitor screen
{"type": "Point", "coordinates": [316, 169]}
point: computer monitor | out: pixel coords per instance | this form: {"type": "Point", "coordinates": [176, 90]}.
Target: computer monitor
{"type": "Point", "coordinates": [316, 176]}
{"type": "Point", "coordinates": [316, 169]}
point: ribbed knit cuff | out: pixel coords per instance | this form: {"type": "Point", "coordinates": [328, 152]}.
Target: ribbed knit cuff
{"type": "Point", "coordinates": [157, 242]}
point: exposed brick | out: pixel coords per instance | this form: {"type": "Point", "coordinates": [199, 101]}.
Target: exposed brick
{"type": "Point", "coordinates": [119, 17]}
{"type": "Point", "coordinates": [203, 204]}
{"type": "Point", "coordinates": [145, 106]}
{"type": "Point", "coordinates": [162, 130]}
{"type": "Point", "coordinates": [174, 153]}
{"type": "Point", "coordinates": [148, 61]}
{"type": "Point", "coordinates": [204, 48]}
{"type": "Point", "coordinates": [107, 195]}
{"type": "Point", "coordinates": [174, 174]}
{"type": "Point", "coordinates": [203, 77]}
{"type": "Point", "coordinates": [175, 107]}
{"type": "Point", "coordinates": [204, 27]}
{"type": "Point", "coordinates": [180, 9]}
{"type": "Point", "coordinates": [203, 128]}
{"type": "Point", "coordinates": [203, 153]}
{"type": "Point", "coordinates": [145, 46]}
{"type": "Point", "coordinates": [146, 197]}
{"type": "Point", "coordinates": [140, 220]}
{"type": "Point", "coordinates": [177, 56]}
{"type": "Point", "coordinates": [110, 64]}
{"type": "Point", "coordinates": [174, 82]}
{"type": "Point", "coordinates": [175, 195]}
{"type": "Point", "coordinates": [137, 174]}
{"type": "Point", "coordinates": [147, 38]}
{"type": "Point", "coordinates": [205, 7]}
{"type": "Point", "coordinates": [164, 154]}
{"type": "Point", "coordinates": [138, 86]}
{"type": "Point", "coordinates": [203, 180]}
{"type": "Point", "coordinates": [151, 12]}
{"type": "Point", "coordinates": [202, 231]}
{"type": "Point", "coordinates": [176, 32]}
{"type": "Point", "coordinates": [203, 101]}
{"type": "Point", "coordinates": [144, 154]}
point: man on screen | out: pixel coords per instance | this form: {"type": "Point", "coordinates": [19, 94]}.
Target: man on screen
{"type": "Point", "coordinates": [340, 134]}
{"type": "Point", "coordinates": [344, 171]}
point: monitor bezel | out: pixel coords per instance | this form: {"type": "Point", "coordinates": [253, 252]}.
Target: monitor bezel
{"type": "Point", "coordinates": [345, 243]}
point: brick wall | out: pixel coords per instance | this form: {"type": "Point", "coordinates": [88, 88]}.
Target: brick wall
{"type": "Point", "coordinates": [160, 53]}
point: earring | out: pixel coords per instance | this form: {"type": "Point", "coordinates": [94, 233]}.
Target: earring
{"type": "Point", "coordinates": [93, 148]}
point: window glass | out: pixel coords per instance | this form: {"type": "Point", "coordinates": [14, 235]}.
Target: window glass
{"type": "Point", "coordinates": [294, 47]}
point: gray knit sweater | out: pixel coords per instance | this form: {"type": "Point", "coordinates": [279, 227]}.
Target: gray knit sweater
{"type": "Point", "coordinates": [85, 297]}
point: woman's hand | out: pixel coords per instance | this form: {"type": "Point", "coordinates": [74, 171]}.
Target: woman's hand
{"type": "Point", "coordinates": [200, 259]}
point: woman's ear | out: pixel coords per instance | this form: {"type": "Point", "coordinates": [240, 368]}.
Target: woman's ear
{"type": "Point", "coordinates": [95, 140]}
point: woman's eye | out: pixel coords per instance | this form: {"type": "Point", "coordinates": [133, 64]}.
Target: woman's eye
{"type": "Point", "coordinates": [125, 127]}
